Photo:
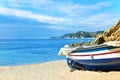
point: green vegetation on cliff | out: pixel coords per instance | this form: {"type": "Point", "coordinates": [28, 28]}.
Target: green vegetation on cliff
{"type": "Point", "coordinates": [79, 34]}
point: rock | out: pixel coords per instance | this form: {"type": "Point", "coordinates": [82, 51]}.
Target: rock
{"type": "Point", "coordinates": [99, 39]}
{"type": "Point", "coordinates": [112, 34]}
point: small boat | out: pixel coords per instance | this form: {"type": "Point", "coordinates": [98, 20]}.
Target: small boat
{"type": "Point", "coordinates": [104, 57]}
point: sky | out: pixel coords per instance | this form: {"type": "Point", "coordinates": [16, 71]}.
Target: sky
{"type": "Point", "coordinates": [39, 19]}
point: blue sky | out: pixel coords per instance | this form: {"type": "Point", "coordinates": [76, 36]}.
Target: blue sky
{"type": "Point", "coordinates": [36, 19]}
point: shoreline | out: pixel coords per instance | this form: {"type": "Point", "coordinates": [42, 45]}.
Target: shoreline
{"type": "Point", "coordinates": [54, 70]}
{"type": "Point", "coordinates": [30, 63]}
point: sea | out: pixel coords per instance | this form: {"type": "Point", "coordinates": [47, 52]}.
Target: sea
{"type": "Point", "coordinates": [15, 52]}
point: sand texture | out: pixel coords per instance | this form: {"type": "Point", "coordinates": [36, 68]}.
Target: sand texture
{"type": "Point", "coordinates": [56, 70]}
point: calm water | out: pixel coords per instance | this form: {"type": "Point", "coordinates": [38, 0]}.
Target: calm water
{"type": "Point", "coordinates": [20, 52]}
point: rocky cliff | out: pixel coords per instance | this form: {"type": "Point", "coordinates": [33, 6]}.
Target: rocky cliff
{"type": "Point", "coordinates": [112, 34]}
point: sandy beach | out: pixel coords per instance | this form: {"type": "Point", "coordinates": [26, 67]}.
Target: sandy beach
{"type": "Point", "coordinates": [56, 70]}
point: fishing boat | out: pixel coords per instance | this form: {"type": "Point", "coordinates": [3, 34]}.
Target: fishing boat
{"type": "Point", "coordinates": [105, 57]}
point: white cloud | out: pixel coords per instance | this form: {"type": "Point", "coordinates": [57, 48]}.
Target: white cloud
{"type": "Point", "coordinates": [75, 14]}
{"type": "Point", "coordinates": [30, 3]}
{"type": "Point", "coordinates": [79, 10]}
{"type": "Point", "coordinates": [29, 15]}
{"type": "Point", "coordinates": [100, 20]}
{"type": "Point", "coordinates": [63, 7]}
{"type": "Point", "coordinates": [58, 28]}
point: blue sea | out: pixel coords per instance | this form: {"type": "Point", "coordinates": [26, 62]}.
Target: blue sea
{"type": "Point", "coordinates": [31, 51]}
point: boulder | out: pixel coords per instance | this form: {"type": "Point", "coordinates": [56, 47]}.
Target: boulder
{"type": "Point", "coordinates": [99, 39]}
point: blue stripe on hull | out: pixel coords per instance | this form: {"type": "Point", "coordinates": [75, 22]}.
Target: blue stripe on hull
{"type": "Point", "coordinates": [112, 67]}
{"type": "Point", "coordinates": [111, 64]}
{"type": "Point", "coordinates": [108, 61]}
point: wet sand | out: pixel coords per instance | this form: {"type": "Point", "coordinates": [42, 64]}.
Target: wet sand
{"type": "Point", "coordinates": [56, 70]}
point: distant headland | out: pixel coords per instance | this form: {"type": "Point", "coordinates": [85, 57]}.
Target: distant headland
{"type": "Point", "coordinates": [79, 34]}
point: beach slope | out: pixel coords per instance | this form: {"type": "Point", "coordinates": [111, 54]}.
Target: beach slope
{"type": "Point", "coordinates": [56, 70]}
